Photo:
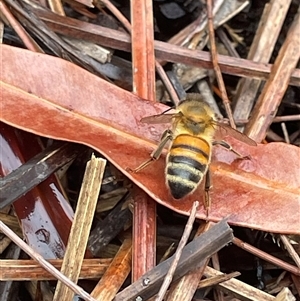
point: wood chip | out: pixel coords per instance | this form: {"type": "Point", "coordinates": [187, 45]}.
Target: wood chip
{"type": "Point", "coordinates": [81, 226]}
{"type": "Point", "coordinates": [261, 50]}
{"type": "Point", "coordinates": [143, 69]}
{"type": "Point", "coordinates": [195, 252]}
{"type": "Point", "coordinates": [239, 289]}
{"type": "Point", "coordinates": [164, 51]}
{"type": "Point", "coordinates": [115, 275]}
{"type": "Point", "coordinates": [274, 89]}
{"type": "Point", "coordinates": [25, 269]}
{"type": "Point", "coordinates": [285, 295]}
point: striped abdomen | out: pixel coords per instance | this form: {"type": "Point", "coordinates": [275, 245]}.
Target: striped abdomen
{"type": "Point", "coordinates": [187, 164]}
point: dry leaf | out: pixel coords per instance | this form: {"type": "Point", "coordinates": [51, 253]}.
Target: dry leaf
{"type": "Point", "coordinates": [54, 98]}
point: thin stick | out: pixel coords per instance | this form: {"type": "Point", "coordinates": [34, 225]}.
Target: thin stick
{"type": "Point", "coordinates": [273, 91]}
{"type": "Point", "coordinates": [218, 294]}
{"type": "Point", "coordinates": [159, 69]}
{"type": "Point", "coordinates": [286, 118]}
{"type": "Point", "coordinates": [44, 263]}
{"type": "Point", "coordinates": [143, 71]}
{"type": "Point", "coordinates": [239, 289]}
{"type": "Point", "coordinates": [285, 133]}
{"type": "Point", "coordinates": [57, 7]}
{"type": "Point", "coordinates": [28, 41]}
{"type": "Point", "coordinates": [164, 51]}
{"type": "Point", "coordinates": [217, 279]}
{"type": "Point", "coordinates": [168, 85]}
{"type": "Point", "coordinates": [185, 288]}
{"type": "Point", "coordinates": [182, 243]}
{"type": "Point", "coordinates": [265, 256]}
{"type": "Point", "coordinates": [214, 58]}
{"type": "Point", "coordinates": [113, 9]}
{"type": "Point", "coordinates": [276, 119]}
{"type": "Point", "coordinates": [81, 226]}
{"type": "Point", "coordinates": [290, 249]}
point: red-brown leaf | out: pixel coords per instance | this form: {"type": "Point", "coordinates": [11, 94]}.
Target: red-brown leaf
{"type": "Point", "coordinates": [54, 98]}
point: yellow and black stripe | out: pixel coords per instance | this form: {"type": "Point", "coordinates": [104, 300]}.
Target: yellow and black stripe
{"type": "Point", "coordinates": [187, 163]}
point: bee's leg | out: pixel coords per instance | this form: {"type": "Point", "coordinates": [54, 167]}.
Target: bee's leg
{"type": "Point", "coordinates": [166, 136]}
{"type": "Point", "coordinates": [229, 147]}
{"type": "Point", "coordinates": [207, 187]}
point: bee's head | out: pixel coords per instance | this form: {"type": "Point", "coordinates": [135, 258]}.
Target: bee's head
{"type": "Point", "coordinates": [196, 109]}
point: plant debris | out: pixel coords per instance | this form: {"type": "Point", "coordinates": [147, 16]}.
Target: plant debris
{"type": "Point", "coordinates": [77, 77]}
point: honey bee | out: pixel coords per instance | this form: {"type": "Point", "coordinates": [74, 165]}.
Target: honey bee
{"type": "Point", "coordinates": [192, 137]}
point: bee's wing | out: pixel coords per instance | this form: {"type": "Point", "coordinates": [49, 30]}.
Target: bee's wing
{"type": "Point", "coordinates": [226, 130]}
{"type": "Point", "coordinates": [161, 118]}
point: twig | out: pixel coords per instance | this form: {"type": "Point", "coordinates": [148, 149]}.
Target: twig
{"type": "Point", "coordinates": [168, 85]}
{"type": "Point", "coordinates": [290, 249]}
{"type": "Point", "coordinates": [182, 243]}
{"type": "Point", "coordinates": [163, 51]}
{"type": "Point", "coordinates": [57, 7]}
{"type": "Point", "coordinates": [261, 49]}
{"type": "Point", "coordinates": [217, 279]}
{"type": "Point", "coordinates": [159, 68]}
{"type": "Point", "coordinates": [104, 231]}
{"type": "Point", "coordinates": [294, 135]}
{"type": "Point", "coordinates": [36, 170]}
{"type": "Point", "coordinates": [44, 263]}
{"type": "Point", "coordinates": [81, 226]}
{"type": "Point", "coordinates": [296, 281]}
{"type": "Point", "coordinates": [29, 270]}
{"type": "Point", "coordinates": [216, 265]}
{"type": "Point", "coordinates": [144, 234]}
{"type": "Point", "coordinates": [277, 119]}
{"type": "Point", "coordinates": [271, 96]}
{"type": "Point", "coordinates": [194, 255]}
{"type": "Point", "coordinates": [28, 41]}
{"type": "Point", "coordinates": [143, 69]}
{"type": "Point", "coordinates": [227, 43]}
{"type": "Point", "coordinates": [287, 118]}
{"type": "Point", "coordinates": [116, 273]}
{"type": "Point", "coordinates": [238, 288]}
{"type": "Point", "coordinates": [267, 257]}
{"type": "Point", "coordinates": [285, 132]}
{"type": "Point", "coordinates": [214, 57]}
{"type": "Point", "coordinates": [185, 288]}
{"type": "Point", "coordinates": [114, 11]}
{"type": "Point", "coordinates": [1, 31]}
{"type": "Point", "coordinates": [285, 295]}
